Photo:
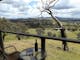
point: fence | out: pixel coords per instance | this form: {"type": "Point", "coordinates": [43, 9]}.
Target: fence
{"type": "Point", "coordinates": [43, 40]}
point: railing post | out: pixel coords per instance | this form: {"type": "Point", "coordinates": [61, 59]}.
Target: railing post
{"type": "Point", "coordinates": [64, 43]}
{"type": "Point", "coordinates": [1, 42]}
{"type": "Point", "coordinates": [43, 48]}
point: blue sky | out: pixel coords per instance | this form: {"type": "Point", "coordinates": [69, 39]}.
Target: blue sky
{"type": "Point", "coordinates": [28, 8]}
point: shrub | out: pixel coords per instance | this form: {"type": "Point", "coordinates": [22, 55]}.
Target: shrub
{"type": "Point", "coordinates": [40, 31]}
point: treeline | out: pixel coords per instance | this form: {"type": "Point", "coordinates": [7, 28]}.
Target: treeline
{"type": "Point", "coordinates": [37, 23]}
{"type": "Point", "coordinates": [49, 23]}
{"type": "Point", "coordinates": [23, 24]}
{"type": "Point", "coordinates": [7, 25]}
{"type": "Point", "coordinates": [72, 26]}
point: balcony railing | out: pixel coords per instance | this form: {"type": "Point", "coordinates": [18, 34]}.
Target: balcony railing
{"type": "Point", "coordinates": [43, 40]}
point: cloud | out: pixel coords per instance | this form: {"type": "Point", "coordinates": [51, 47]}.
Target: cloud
{"type": "Point", "coordinates": [63, 4]}
{"type": "Point", "coordinates": [13, 8]}
{"type": "Point", "coordinates": [28, 8]}
{"type": "Point", "coordinates": [19, 8]}
{"type": "Point", "coordinates": [68, 13]}
{"type": "Point", "coordinates": [7, 9]}
{"type": "Point", "coordinates": [75, 3]}
{"type": "Point", "coordinates": [68, 8]}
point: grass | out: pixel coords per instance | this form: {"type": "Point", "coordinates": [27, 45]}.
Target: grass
{"type": "Point", "coordinates": [71, 35]}
{"type": "Point", "coordinates": [53, 48]}
{"type": "Point", "coordinates": [58, 54]}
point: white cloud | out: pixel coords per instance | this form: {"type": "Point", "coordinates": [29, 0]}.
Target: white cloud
{"type": "Point", "coordinates": [28, 8]}
{"type": "Point", "coordinates": [75, 3]}
{"type": "Point", "coordinates": [68, 13]}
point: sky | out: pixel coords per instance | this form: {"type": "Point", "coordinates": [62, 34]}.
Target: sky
{"type": "Point", "coordinates": [29, 8]}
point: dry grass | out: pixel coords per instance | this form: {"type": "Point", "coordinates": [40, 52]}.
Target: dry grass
{"type": "Point", "coordinates": [20, 45]}
{"type": "Point", "coordinates": [54, 49]}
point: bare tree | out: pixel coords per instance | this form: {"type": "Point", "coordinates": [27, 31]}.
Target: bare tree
{"type": "Point", "coordinates": [46, 6]}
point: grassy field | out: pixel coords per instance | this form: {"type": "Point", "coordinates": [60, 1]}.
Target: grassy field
{"type": "Point", "coordinates": [53, 48]}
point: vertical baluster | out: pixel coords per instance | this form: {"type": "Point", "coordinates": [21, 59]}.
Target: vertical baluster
{"type": "Point", "coordinates": [43, 47]}
{"type": "Point", "coordinates": [1, 42]}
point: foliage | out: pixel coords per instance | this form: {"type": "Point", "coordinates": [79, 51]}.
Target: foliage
{"type": "Point", "coordinates": [78, 35]}
{"type": "Point", "coordinates": [40, 31]}
{"type": "Point", "coordinates": [6, 25]}
{"type": "Point", "coordinates": [49, 34]}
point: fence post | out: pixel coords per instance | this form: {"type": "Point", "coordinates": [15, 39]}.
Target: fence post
{"type": "Point", "coordinates": [64, 43]}
{"type": "Point", "coordinates": [43, 48]}
{"type": "Point", "coordinates": [1, 42]}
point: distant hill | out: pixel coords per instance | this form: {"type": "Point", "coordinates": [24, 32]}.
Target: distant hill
{"type": "Point", "coordinates": [46, 18]}
{"type": "Point", "coordinates": [68, 19]}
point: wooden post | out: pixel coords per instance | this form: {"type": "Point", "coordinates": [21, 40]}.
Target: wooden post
{"type": "Point", "coordinates": [1, 42]}
{"type": "Point", "coordinates": [64, 43]}
{"type": "Point", "coordinates": [43, 48]}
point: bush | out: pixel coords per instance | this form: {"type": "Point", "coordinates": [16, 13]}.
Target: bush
{"type": "Point", "coordinates": [40, 31]}
{"type": "Point", "coordinates": [78, 35]}
{"type": "Point", "coordinates": [54, 35]}
{"type": "Point", "coordinates": [49, 34]}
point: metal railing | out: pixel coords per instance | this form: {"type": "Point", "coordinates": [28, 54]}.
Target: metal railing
{"type": "Point", "coordinates": [43, 40]}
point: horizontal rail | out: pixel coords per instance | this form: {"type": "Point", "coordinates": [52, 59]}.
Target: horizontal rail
{"type": "Point", "coordinates": [46, 37]}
